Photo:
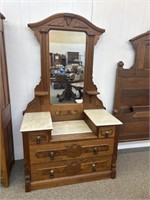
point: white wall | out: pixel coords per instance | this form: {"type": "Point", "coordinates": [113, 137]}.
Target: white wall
{"type": "Point", "coordinates": [122, 19]}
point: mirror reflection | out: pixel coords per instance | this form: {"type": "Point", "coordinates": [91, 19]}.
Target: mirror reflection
{"type": "Point", "coordinates": [67, 63]}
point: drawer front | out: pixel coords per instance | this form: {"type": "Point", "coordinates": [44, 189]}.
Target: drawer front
{"type": "Point", "coordinates": [70, 168]}
{"type": "Point", "coordinates": [39, 137]}
{"type": "Point", "coordinates": [107, 132]}
{"type": "Point", "coordinates": [68, 150]}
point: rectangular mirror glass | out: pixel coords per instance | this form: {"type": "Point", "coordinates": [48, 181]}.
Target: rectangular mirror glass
{"type": "Point", "coordinates": [67, 64]}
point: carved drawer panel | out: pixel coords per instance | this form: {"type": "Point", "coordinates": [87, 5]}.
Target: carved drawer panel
{"type": "Point", "coordinates": [70, 168]}
{"type": "Point", "coordinates": [69, 150]}
{"type": "Point", "coordinates": [39, 137]}
{"type": "Point", "coordinates": [107, 132]}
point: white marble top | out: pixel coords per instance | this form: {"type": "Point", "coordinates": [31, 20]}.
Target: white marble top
{"type": "Point", "coordinates": [36, 121]}
{"type": "Point", "coordinates": [101, 117]}
{"type": "Point", "coordinates": [70, 127]}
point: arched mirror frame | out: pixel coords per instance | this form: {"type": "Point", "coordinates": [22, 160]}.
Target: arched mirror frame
{"type": "Point", "coordinates": [41, 102]}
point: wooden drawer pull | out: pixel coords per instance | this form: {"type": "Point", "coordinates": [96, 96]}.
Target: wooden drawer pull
{"type": "Point", "coordinates": [52, 155]}
{"type": "Point", "coordinates": [38, 139]}
{"type": "Point", "coordinates": [107, 134]}
{"type": "Point", "coordinates": [51, 174]}
{"type": "Point", "coordinates": [94, 167]}
{"type": "Point", "coordinates": [95, 150]}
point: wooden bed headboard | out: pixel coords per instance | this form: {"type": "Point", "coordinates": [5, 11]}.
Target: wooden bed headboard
{"type": "Point", "coordinates": [131, 101]}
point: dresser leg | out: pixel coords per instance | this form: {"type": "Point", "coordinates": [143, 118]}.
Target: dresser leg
{"type": "Point", "coordinates": [27, 179]}
{"type": "Point", "coordinates": [5, 181]}
{"type": "Point", "coordinates": [27, 186]}
{"type": "Point", "coordinates": [27, 171]}
{"type": "Point", "coordinates": [113, 174]}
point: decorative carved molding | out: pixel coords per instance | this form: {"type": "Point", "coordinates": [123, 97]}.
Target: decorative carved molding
{"type": "Point", "coordinates": [34, 105]}
{"type": "Point", "coordinates": [56, 22]}
{"type": "Point", "coordinates": [79, 24]}
{"type": "Point", "coordinates": [103, 164]}
{"type": "Point", "coordinates": [103, 148]}
{"type": "Point", "coordinates": [68, 20]}
{"type": "Point", "coordinates": [120, 64]}
{"type": "Point", "coordinates": [66, 112]}
{"type": "Point", "coordinates": [73, 168]}
{"type": "Point", "coordinates": [74, 150]}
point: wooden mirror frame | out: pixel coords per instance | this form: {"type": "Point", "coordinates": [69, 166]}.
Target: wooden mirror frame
{"type": "Point", "coordinates": [41, 102]}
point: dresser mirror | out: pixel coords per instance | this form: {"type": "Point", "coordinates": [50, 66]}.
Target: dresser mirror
{"type": "Point", "coordinates": [81, 36]}
{"type": "Point", "coordinates": [67, 66]}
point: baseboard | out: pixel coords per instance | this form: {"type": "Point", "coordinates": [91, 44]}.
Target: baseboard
{"type": "Point", "coordinates": [136, 144]}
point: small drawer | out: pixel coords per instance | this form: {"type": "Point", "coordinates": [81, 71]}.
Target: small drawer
{"type": "Point", "coordinates": [39, 137]}
{"type": "Point", "coordinates": [70, 168]}
{"type": "Point", "coordinates": [70, 150]}
{"type": "Point", "coordinates": [107, 132]}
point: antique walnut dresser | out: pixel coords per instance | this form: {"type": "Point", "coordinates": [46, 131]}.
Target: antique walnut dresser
{"type": "Point", "coordinates": [67, 143]}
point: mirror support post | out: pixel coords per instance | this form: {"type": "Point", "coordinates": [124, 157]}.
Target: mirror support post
{"type": "Point", "coordinates": [44, 61]}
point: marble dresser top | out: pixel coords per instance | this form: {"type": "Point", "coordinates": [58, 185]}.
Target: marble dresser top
{"type": "Point", "coordinates": [101, 117]}
{"type": "Point", "coordinates": [70, 127]}
{"type": "Point", "coordinates": [36, 121]}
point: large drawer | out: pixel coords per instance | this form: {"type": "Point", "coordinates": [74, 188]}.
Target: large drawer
{"type": "Point", "coordinates": [70, 168]}
{"type": "Point", "coordinates": [69, 150]}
